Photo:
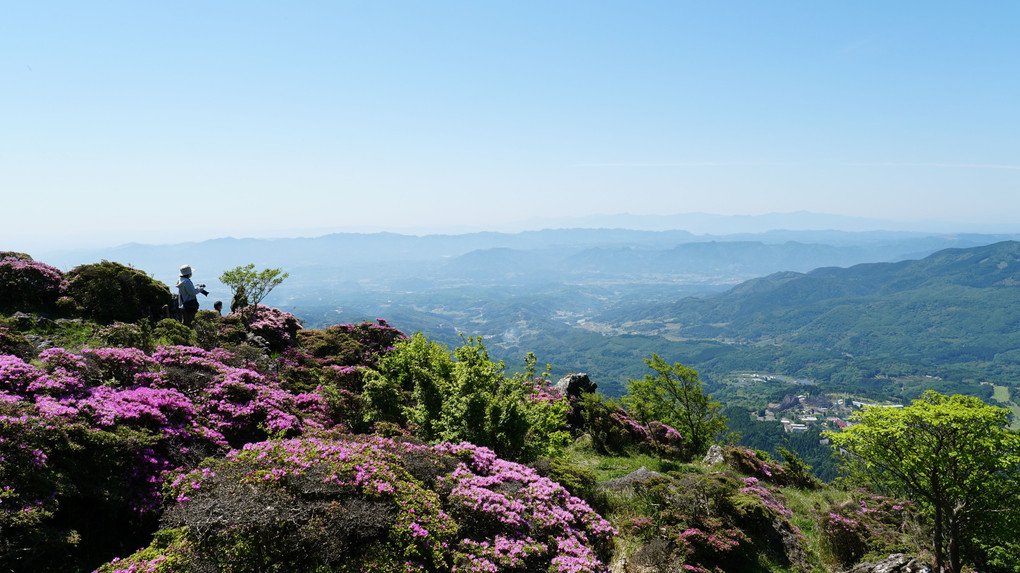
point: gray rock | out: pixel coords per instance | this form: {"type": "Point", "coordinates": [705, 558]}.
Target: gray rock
{"type": "Point", "coordinates": [44, 322]}
{"type": "Point", "coordinates": [39, 342]}
{"type": "Point", "coordinates": [640, 474]}
{"type": "Point", "coordinates": [257, 341]}
{"type": "Point", "coordinates": [656, 557]}
{"type": "Point", "coordinates": [24, 321]}
{"type": "Point", "coordinates": [895, 563]}
{"type": "Point", "coordinates": [573, 385]}
{"type": "Point", "coordinates": [714, 456]}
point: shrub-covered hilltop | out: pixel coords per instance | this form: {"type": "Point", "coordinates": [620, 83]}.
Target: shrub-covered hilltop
{"type": "Point", "coordinates": [130, 443]}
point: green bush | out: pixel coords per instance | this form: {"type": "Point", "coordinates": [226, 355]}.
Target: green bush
{"type": "Point", "coordinates": [108, 292]}
{"type": "Point", "coordinates": [124, 335]}
{"type": "Point", "coordinates": [170, 332]}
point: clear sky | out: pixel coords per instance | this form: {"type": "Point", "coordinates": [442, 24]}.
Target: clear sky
{"type": "Point", "coordinates": [176, 121]}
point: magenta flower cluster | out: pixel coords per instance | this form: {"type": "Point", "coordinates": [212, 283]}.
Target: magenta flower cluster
{"type": "Point", "coordinates": [529, 509]}
{"type": "Point", "coordinates": [277, 327]}
{"type": "Point", "coordinates": [117, 364]}
{"type": "Point", "coordinates": [28, 285]}
{"type": "Point", "coordinates": [521, 521]}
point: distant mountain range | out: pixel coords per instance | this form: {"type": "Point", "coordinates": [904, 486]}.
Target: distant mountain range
{"type": "Point", "coordinates": [382, 260]}
{"type": "Point", "coordinates": [713, 224]}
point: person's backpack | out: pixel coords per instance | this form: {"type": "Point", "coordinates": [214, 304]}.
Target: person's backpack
{"type": "Point", "coordinates": [175, 307]}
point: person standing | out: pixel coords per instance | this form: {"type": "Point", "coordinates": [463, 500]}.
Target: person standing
{"type": "Point", "coordinates": [188, 295]}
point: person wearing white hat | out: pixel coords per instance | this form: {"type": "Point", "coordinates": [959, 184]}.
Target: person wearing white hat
{"type": "Point", "coordinates": [187, 296]}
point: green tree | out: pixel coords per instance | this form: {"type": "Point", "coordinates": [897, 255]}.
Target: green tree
{"type": "Point", "coordinates": [674, 396]}
{"type": "Point", "coordinates": [255, 284]}
{"type": "Point", "coordinates": [953, 455]}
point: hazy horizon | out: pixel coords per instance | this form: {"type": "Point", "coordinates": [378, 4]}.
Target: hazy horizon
{"type": "Point", "coordinates": [708, 225]}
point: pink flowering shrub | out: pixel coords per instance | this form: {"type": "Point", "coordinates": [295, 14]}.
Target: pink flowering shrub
{"type": "Point", "coordinates": [27, 480]}
{"type": "Point", "coordinates": [245, 406]}
{"type": "Point", "coordinates": [275, 326]}
{"type": "Point", "coordinates": [17, 376]}
{"type": "Point", "coordinates": [757, 464]}
{"type": "Point", "coordinates": [116, 364]}
{"type": "Point", "coordinates": [59, 358]}
{"type": "Point", "coordinates": [669, 442]}
{"type": "Point", "coordinates": [27, 285]}
{"type": "Point", "coordinates": [614, 431]}
{"type": "Point", "coordinates": [867, 524]}
{"type": "Point", "coordinates": [90, 437]}
{"type": "Point", "coordinates": [66, 485]}
{"type": "Point", "coordinates": [493, 499]}
{"type": "Point", "coordinates": [715, 521]}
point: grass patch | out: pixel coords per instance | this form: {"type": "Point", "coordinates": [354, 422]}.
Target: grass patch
{"type": "Point", "coordinates": [1000, 393]}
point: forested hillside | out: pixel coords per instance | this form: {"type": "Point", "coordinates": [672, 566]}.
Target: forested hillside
{"type": "Point", "coordinates": [956, 309]}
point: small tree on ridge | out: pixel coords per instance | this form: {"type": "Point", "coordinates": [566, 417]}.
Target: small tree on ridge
{"type": "Point", "coordinates": [674, 396]}
{"type": "Point", "coordinates": [256, 285]}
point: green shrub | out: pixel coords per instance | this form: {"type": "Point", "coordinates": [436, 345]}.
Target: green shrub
{"type": "Point", "coordinates": [124, 335]}
{"type": "Point", "coordinates": [578, 481]}
{"type": "Point", "coordinates": [425, 369]}
{"type": "Point", "coordinates": [170, 332]}
{"type": "Point", "coordinates": [108, 292]}
{"type": "Point", "coordinates": [382, 400]}
{"type": "Point", "coordinates": [212, 331]}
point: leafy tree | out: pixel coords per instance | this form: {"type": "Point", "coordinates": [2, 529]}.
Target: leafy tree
{"type": "Point", "coordinates": [674, 396]}
{"type": "Point", "coordinates": [256, 285]}
{"type": "Point", "coordinates": [953, 455]}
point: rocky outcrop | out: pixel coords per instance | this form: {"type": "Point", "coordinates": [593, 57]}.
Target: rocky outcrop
{"type": "Point", "coordinates": [895, 563]}
{"type": "Point", "coordinates": [573, 385]}
{"type": "Point", "coordinates": [714, 456]}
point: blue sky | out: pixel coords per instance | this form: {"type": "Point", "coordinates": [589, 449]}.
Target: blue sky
{"type": "Point", "coordinates": [176, 121]}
